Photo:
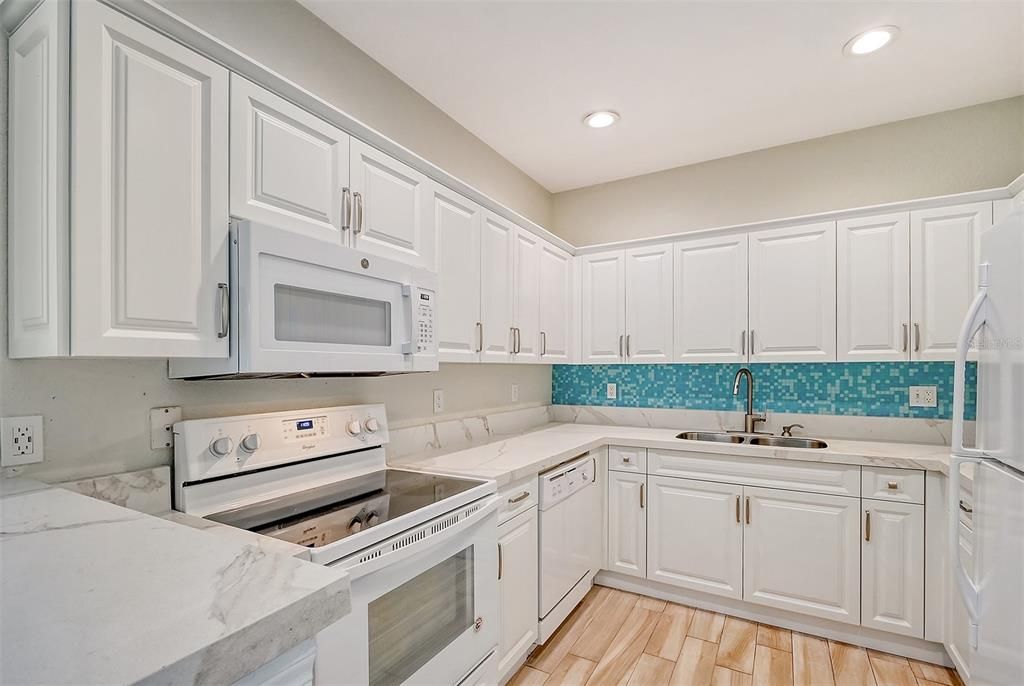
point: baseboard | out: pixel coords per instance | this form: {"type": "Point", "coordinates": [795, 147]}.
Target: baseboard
{"type": "Point", "coordinates": [915, 648]}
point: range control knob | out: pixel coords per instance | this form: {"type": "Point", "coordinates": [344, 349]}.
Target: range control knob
{"type": "Point", "coordinates": [221, 446]}
{"type": "Point", "coordinates": [371, 425]}
{"type": "Point", "coordinates": [355, 526]}
{"type": "Point", "coordinates": [354, 428]}
{"type": "Point", "coordinates": [372, 519]}
{"type": "Point", "coordinates": [251, 443]}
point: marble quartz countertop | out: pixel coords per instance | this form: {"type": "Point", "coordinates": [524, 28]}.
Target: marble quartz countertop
{"type": "Point", "coordinates": [91, 592]}
{"type": "Point", "coordinates": [511, 459]}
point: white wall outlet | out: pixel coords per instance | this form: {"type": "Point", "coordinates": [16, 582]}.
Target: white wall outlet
{"type": "Point", "coordinates": [161, 426]}
{"type": "Point", "coordinates": [612, 391]}
{"type": "Point", "coordinates": [438, 401]}
{"type": "Point", "coordinates": [515, 392]}
{"type": "Point", "coordinates": [21, 440]}
{"type": "Point", "coordinates": [923, 396]}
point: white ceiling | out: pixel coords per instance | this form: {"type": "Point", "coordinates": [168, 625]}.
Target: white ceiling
{"type": "Point", "coordinates": [693, 81]}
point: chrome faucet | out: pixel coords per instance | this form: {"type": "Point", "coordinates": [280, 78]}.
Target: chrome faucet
{"type": "Point", "coordinates": [750, 419]}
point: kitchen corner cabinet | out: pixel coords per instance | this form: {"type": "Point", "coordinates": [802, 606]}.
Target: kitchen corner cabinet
{"type": "Point", "coordinates": [555, 305]}
{"type": "Point", "coordinates": [149, 192]}
{"type": "Point", "coordinates": [458, 222]}
{"type": "Point", "coordinates": [627, 523]}
{"type": "Point", "coordinates": [892, 553]}
{"type": "Point", "coordinates": [517, 589]}
{"type": "Point", "coordinates": [792, 290]}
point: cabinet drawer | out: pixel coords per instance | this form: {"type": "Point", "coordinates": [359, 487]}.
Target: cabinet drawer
{"type": "Point", "coordinates": [900, 485]}
{"type": "Point", "coordinates": [814, 477]}
{"type": "Point", "coordinates": [516, 498]}
{"type": "Point", "coordinates": [622, 459]}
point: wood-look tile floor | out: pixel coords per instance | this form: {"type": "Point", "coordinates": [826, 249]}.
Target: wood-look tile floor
{"type": "Point", "coordinates": [615, 637]}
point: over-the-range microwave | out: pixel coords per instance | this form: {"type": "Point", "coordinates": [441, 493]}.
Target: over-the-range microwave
{"type": "Point", "coordinates": [298, 306]}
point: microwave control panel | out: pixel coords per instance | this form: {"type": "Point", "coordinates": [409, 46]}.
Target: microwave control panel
{"type": "Point", "coordinates": [425, 321]}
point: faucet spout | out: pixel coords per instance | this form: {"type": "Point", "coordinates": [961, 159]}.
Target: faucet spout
{"type": "Point", "coordinates": [750, 419]}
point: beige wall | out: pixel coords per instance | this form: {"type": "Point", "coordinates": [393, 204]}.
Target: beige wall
{"type": "Point", "coordinates": [950, 152]}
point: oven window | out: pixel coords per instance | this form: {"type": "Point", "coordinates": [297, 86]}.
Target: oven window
{"type": "Point", "coordinates": [301, 314]}
{"type": "Point", "coordinates": [411, 624]}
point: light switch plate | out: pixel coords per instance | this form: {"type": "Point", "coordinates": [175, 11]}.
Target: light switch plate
{"type": "Point", "coordinates": [515, 392]}
{"type": "Point", "coordinates": [21, 440]}
{"type": "Point", "coordinates": [923, 396]}
{"type": "Point", "coordinates": [161, 426]}
{"type": "Point", "coordinates": [612, 391]}
{"type": "Point", "coordinates": [438, 401]}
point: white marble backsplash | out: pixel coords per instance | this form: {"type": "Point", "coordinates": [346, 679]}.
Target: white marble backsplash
{"type": "Point", "coordinates": [455, 434]}
{"type": "Point", "coordinates": [146, 490]}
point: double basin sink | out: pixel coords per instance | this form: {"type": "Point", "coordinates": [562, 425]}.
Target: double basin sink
{"type": "Point", "coordinates": [753, 439]}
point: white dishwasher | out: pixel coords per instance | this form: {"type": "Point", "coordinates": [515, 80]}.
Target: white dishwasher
{"type": "Point", "coordinates": [570, 539]}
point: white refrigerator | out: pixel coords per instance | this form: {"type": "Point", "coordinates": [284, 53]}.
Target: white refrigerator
{"type": "Point", "coordinates": [994, 593]}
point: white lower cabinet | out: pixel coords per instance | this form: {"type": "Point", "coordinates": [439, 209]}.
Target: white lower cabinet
{"type": "Point", "coordinates": [695, 535]}
{"type": "Point", "coordinates": [892, 567]}
{"type": "Point", "coordinates": [517, 589]}
{"type": "Point", "coordinates": [627, 523]}
{"type": "Point", "coordinates": [801, 553]}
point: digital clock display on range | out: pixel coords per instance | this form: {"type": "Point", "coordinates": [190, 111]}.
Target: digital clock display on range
{"type": "Point", "coordinates": [304, 425]}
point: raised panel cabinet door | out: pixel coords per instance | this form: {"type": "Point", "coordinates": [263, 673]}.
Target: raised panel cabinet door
{"type": "Point", "coordinates": [649, 304]}
{"type": "Point", "coordinates": [37, 202]}
{"type": "Point", "coordinates": [801, 552]}
{"type": "Point", "coordinates": [289, 168]}
{"type": "Point", "coordinates": [892, 573]}
{"type": "Point", "coordinates": [517, 589]}
{"type": "Point", "coordinates": [873, 288]}
{"type": "Point", "coordinates": [555, 304]}
{"type": "Point", "coordinates": [149, 196]}
{"type": "Point", "coordinates": [711, 300]}
{"type": "Point", "coordinates": [627, 523]}
{"type": "Point", "coordinates": [497, 245]}
{"type": "Point", "coordinates": [392, 214]}
{"type": "Point", "coordinates": [602, 306]}
{"type": "Point", "coordinates": [526, 285]}
{"type": "Point", "coordinates": [695, 535]}
{"type": "Point", "coordinates": [944, 253]}
{"type": "Point", "coordinates": [793, 294]}
{"type": "Point", "coordinates": [458, 269]}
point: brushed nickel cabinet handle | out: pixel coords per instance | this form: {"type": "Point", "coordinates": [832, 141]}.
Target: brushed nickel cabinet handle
{"type": "Point", "coordinates": [346, 208]}
{"type": "Point", "coordinates": [512, 336]}
{"type": "Point", "coordinates": [867, 525]}
{"type": "Point", "coordinates": [641, 496]}
{"type": "Point", "coordinates": [748, 509]}
{"type": "Point", "coordinates": [752, 350]}
{"type": "Point", "coordinates": [966, 508]}
{"type": "Point", "coordinates": [225, 310]}
{"type": "Point", "coordinates": [543, 343]}
{"type": "Point", "coordinates": [622, 338]}
{"type": "Point", "coordinates": [480, 336]}
{"type": "Point", "coordinates": [917, 337]}
{"type": "Point", "coordinates": [628, 337]}
{"type": "Point", "coordinates": [519, 498]}
{"type": "Point", "coordinates": [743, 342]}
{"type": "Point", "coordinates": [501, 561]}
{"type": "Point", "coordinates": [737, 509]}
{"type": "Point", "coordinates": [906, 336]}
{"type": "Point", "coordinates": [627, 459]}
{"type": "Point", "coordinates": [358, 213]}
{"type": "Point", "coordinates": [893, 486]}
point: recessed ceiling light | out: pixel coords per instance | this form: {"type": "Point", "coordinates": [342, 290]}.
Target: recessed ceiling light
{"type": "Point", "coordinates": [599, 120]}
{"type": "Point", "coordinates": [869, 41]}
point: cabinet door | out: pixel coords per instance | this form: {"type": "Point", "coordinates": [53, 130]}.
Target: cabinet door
{"type": "Point", "coordinates": [37, 202]}
{"type": "Point", "coordinates": [393, 215]}
{"type": "Point", "coordinates": [649, 304]}
{"type": "Point", "coordinates": [603, 306]}
{"type": "Point", "coordinates": [944, 253]}
{"type": "Point", "coordinates": [555, 304]}
{"type": "Point", "coordinates": [627, 523]}
{"type": "Point", "coordinates": [958, 621]}
{"type": "Point", "coordinates": [695, 535]}
{"type": "Point", "coordinates": [892, 568]}
{"type": "Point", "coordinates": [711, 300]}
{"type": "Point", "coordinates": [873, 288]}
{"type": "Point", "coordinates": [517, 589]}
{"type": "Point", "coordinates": [793, 294]}
{"type": "Point", "coordinates": [497, 243]}
{"type": "Point", "coordinates": [526, 286]}
{"type": "Point", "coordinates": [458, 297]}
{"type": "Point", "coordinates": [149, 192]}
{"type": "Point", "coordinates": [801, 552]}
{"type": "Point", "coordinates": [288, 167]}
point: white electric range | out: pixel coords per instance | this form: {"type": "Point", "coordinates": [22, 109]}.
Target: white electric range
{"type": "Point", "coordinates": [421, 548]}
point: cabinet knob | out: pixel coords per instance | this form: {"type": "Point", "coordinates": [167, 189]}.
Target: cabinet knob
{"type": "Point", "coordinates": [893, 486]}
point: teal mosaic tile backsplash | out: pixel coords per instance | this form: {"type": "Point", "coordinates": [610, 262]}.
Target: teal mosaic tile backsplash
{"type": "Point", "coordinates": [869, 389]}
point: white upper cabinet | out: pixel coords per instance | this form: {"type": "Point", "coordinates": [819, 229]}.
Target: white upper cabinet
{"type": "Point", "coordinates": [392, 212]}
{"type": "Point", "coordinates": [711, 299]}
{"type": "Point", "coordinates": [526, 285]}
{"type": "Point", "coordinates": [288, 168]}
{"type": "Point", "coordinates": [555, 304]}
{"type": "Point", "coordinates": [649, 304]}
{"type": "Point", "coordinates": [944, 254]}
{"type": "Point", "coordinates": [873, 291]}
{"type": "Point", "coordinates": [458, 294]}
{"type": "Point", "coordinates": [37, 198]}
{"type": "Point", "coordinates": [497, 246]}
{"type": "Point", "coordinates": [893, 567]}
{"type": "Point", "coordinates": [149, 214]}
{"type": "Point", "coordinates": [792, 290]}
{"type": "Point", "coordinates": [603, 304]}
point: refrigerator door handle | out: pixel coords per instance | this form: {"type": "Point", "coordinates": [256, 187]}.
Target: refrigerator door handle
{"type": "Point", "coordinates": [964, 583]}
{"type": "Point", "coordinates": [972, 323]}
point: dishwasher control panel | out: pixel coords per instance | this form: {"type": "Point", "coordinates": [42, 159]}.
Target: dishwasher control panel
{"type": "Point", "coordinates": [564, 480]}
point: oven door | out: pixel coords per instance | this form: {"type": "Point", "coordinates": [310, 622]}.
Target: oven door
{"type": "Point", "coordinates": [424, 605]}
{"type": "Point", "coordinates": [306, 305]}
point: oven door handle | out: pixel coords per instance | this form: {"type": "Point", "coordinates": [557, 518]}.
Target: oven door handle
{"type": "Point", "coordinates": [388, 556]}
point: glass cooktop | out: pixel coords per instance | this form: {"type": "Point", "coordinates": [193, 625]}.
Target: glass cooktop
{"type": "Point", "coordinates": [329, 513]}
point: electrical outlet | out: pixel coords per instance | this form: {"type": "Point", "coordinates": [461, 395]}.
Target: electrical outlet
{"type": "Point", "coordinates": [161, 426]}
{"type": "Point", "coordinates": [612, 391]}
{"type": "Point", "coordinates": [438, 401]}
{"type": "Point", "coordinates": [923, 396]}
{"type": "Point", "coordinates": [22, 440]}
{"type": "Point", "coordinates": [515, 392]}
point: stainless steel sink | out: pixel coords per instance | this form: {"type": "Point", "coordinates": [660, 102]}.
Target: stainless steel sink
{"type": "Point", "coordinates": [786, 442]}
{"type": "Point", "coordinates": [710, 436]}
